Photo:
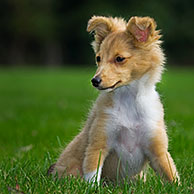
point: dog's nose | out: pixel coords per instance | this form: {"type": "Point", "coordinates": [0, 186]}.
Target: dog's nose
{"type": "Point", "coordinates": [96, 81]}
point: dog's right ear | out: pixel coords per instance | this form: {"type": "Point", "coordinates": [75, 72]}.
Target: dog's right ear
{"type": "Point", "coordinates": [101, 26]}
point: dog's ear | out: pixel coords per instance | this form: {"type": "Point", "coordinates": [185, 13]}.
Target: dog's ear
{"type": "Point", "coordinates": [101, 26]}
{"type": "Point", "coordinates": [143, 29]}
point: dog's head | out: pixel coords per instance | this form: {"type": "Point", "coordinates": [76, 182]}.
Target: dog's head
{"type": "Point", "coordinates": [125, 51]}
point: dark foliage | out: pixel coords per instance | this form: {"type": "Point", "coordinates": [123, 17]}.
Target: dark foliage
{"type": "Point", "coordinates": [53, 32]}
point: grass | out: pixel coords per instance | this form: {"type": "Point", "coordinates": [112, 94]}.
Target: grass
{"type": "Point", "coordinates": [42, 110]}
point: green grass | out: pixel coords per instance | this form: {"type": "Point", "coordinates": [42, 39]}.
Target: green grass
{"type": "Point", "coordinates": [42, 110]}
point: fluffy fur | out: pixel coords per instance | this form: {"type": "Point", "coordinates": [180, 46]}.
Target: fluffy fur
{"type": "Point", "coordinates": [125, 128]}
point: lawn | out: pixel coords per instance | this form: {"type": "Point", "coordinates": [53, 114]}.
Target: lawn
{"type": "Point", "coordinates": [41, 110]}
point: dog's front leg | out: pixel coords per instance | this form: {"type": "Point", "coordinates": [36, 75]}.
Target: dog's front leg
{"type": "Point", "coordinates": [160, 159]}
{"type": "Point", "coordinates": [96, 151]}
{"type": "Point", "coordinates": [164, 165]}
{"type": "Point", "coordinates": [93, 164]}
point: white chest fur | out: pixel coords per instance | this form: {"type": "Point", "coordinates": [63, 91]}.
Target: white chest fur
{"type": "Point", "coordinates": [132, 119]}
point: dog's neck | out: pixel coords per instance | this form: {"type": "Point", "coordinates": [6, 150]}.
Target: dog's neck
{"type": "Point", "coordinates": [135, 102]}
{"type": "Point", "coordinates": [141, 87]}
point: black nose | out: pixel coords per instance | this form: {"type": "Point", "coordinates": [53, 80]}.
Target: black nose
{"type": "Point", "coordinates": [96, 81]}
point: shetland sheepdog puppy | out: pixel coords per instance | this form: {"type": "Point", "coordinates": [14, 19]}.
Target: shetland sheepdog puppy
{"type": "Point", "coordinates": [125, 128]}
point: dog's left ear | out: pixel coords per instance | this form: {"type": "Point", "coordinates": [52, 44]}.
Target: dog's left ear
{"type": "Point", "coordinates": [143, 29]}
{"type": "Point", "coordinates": [102, 26]}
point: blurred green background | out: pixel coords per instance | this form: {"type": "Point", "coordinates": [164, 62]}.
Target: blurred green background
{"type": "Point", "coordinates": [53, 32]}
{"type": "Point", "coordinates": [42, 109]}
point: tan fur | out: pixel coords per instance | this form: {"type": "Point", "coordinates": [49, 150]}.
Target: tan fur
{"type": "Point", "coordinates": [161, 161]}
{"type": "Point", "coordinates": [137, 41]}
{"type": "Point", "coordinates": [72, 158]}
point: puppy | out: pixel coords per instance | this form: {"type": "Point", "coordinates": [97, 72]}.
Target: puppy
{"type": "Point", "coordinates": [125, 128]}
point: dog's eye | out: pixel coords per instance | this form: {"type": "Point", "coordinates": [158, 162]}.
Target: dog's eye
{"type": "Point", "coordinates": [98, 59]}
{"type": "Point", "coordinates": [119, 59]}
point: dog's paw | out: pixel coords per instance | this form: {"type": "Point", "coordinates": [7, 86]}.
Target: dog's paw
{"type": "Point", "coordinates": [51, 169]}
{"type": "Point", "coordinates": [94, 176]}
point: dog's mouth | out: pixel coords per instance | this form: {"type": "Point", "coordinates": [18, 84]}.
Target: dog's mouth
{"type": "Point", "coordinates": [110, 87]}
